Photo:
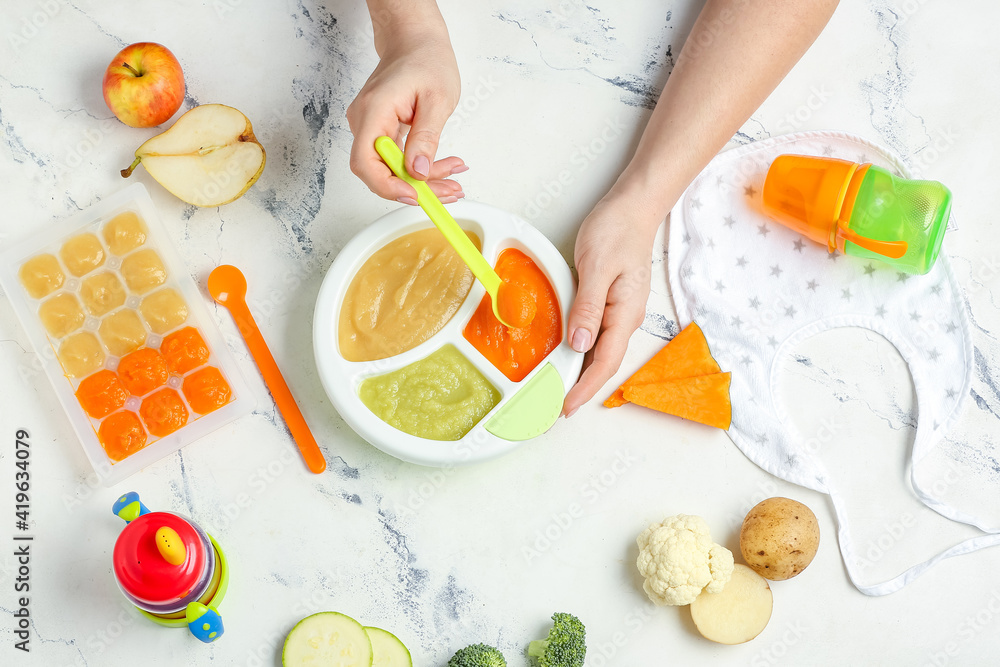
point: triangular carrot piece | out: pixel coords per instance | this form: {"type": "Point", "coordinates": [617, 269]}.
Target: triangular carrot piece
{"type": "Point", "coordinates": [685, 355]}
{"type": "Point", "coordinates": [703, 399]}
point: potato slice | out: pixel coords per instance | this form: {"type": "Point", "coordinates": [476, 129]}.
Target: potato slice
{"type": "Point", "coordinates": [738, 613]}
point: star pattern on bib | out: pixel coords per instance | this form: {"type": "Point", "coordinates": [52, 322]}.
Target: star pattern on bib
{"type": "Point", "coordinates": [753, 283]}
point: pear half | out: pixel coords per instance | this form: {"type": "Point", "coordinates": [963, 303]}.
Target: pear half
{"type": "Point", "coordinates": [209, 157]}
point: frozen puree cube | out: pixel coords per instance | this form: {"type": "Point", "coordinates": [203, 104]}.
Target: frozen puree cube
{"type": "Point", "coordinates": [206, 390]}
{"type": "Point", "coordinates": [143, 270]}
{"type": "Point", "coordinates": [124, 233]}
{"type": "Point", "coordinates": [142, 371]}
{"type": "Point", "coordinates": [81, 354]}
{"type": "Point", "coordinates": [122, 332]}
{"type": "Point", "coordinates": [163, 412]}
{"type": "Point", "coordinates": [102, 293]}
{"type": "Point", "coordinates": [41, 275]}
{"type": "Point", "coordinates": [82, 254]}
{"type": "Point", "coordinates": [164, 310]}
{"type": "Point", "coordinates": [61, 315]}
{"type": "Point", "coordinates": [101, 394]}
{"type": "Point", "coordinates": [121, 435]}
{"type": "Point", "coordinates": [184, 350]}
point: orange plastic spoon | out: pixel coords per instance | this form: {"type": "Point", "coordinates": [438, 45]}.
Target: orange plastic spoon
{"type": "Point", "coordinates": [228, 287]}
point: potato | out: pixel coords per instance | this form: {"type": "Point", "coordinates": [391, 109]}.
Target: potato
{"type": "Point", "coordinates": [779, 538]}
{"type": "Point", "coordinates": [736, 614]}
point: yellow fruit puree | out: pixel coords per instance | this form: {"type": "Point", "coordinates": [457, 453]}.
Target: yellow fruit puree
{"type": "Point", "coordinates": [81, 354]}
{"type": "Point", "coordinates": [41, 275]}
{"type": "Point", "coordinates": [440, 397]}
{"type": "Point", "coordinates": [122, 332]}
{"type": "Point", "coordinates": [124, 232]}
{"type": "Point", "coordinates": [102, 293]}
{"type": "Point", "coordinates": [61, 315]}
{"type": "Point", "coordinates": [404, 294]}
{"type": "Point", "coordinates": [82, 254]}
{"type": "Point", "coordinates": [164, 310]}
{"type": "Point", "coordinates": [143, 270]}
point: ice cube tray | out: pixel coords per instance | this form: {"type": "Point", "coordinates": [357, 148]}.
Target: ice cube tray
{"type": "Point", "coordinates": [90, 291]}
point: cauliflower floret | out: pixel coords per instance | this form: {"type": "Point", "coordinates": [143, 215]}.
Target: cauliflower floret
{"type": "Point", "coordinates": [679, 560]}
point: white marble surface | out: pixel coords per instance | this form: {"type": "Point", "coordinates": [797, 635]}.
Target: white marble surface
{"type": "Point", "coordinates": [447, 558]}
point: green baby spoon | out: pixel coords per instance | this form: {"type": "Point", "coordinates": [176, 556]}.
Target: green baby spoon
{"type": "Point", "coordinates": [512, 304]}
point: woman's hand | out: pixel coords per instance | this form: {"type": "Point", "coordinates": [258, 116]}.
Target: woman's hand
{"type": "Point", "coordinates": [613, 257]}
{"type": "Point", "coordinates": [734, 57]}
{"type": "Point", "coordinates": [411, 93]}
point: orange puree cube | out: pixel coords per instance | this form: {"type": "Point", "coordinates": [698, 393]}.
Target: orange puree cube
{"type": "Point", "coordinates": [184, 350]}
{"type": "Point", "coordinates": [101, 394]}
{"type": "Point", "coordinates": [163, 412]}
{"type": "Point", "coordinates": [142, 371]}
{"type": "Point", "coordinates": [121, 435]}
{"type": "Point", "coordinates": [206, 390]}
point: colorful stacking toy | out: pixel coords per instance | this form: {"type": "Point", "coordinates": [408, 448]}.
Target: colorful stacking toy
{"type": "Point", "coordinates": [170, 569]}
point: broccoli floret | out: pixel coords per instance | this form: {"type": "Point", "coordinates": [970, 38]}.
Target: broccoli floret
{"type": "Point", "coordinates": [478, 655]}
{"type": "Point", "coordinates": [566, 645]}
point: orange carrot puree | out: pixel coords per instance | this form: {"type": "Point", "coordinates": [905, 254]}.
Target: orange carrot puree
{"type": "Point", "coordinates": [122, 435]}
{"type": "Point", "coordinates": [515, 352]}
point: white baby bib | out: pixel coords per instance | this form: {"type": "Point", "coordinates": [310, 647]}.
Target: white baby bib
{"type": "Point", "coordinates": [758, 289]}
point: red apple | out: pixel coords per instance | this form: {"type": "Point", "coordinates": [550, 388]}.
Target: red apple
{"type": "Point", "coordinates": [144, 85]}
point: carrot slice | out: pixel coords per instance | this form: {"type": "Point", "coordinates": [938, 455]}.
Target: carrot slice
{"type": "Point", "coordinates": [704, 399]}
{"type": "Point", "coordinates": [685, 355]}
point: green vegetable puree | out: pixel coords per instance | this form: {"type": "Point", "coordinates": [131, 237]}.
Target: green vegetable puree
{"type": "Point", "coordinates": [440, 397]}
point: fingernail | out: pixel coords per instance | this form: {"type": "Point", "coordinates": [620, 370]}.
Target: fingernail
{"type": "Point", "coordinates": [581, 340]}
{"type": "Point", "coordinates": [460, 168]}
{"type": "Point", "coordinates": [421, 165]}
{"type": "Point", "coordinates": [571, 413]}
{"type": "Point", "coordinates": [449, 200]}
{"type": "Point", "coordinates": [407, 200]}
{"type": "Point", "coordinates": [459, 194]}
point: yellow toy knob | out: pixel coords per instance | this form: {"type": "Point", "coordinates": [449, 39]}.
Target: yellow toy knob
{"type": "Point", "coordinates": [170, 546]}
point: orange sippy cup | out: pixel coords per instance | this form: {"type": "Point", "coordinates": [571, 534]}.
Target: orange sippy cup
{"type": "Point", "coordinates": [859, 209]}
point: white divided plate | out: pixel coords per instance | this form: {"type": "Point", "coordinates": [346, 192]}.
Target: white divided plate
{"type": "Point", "coordinates": [526, 408]}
